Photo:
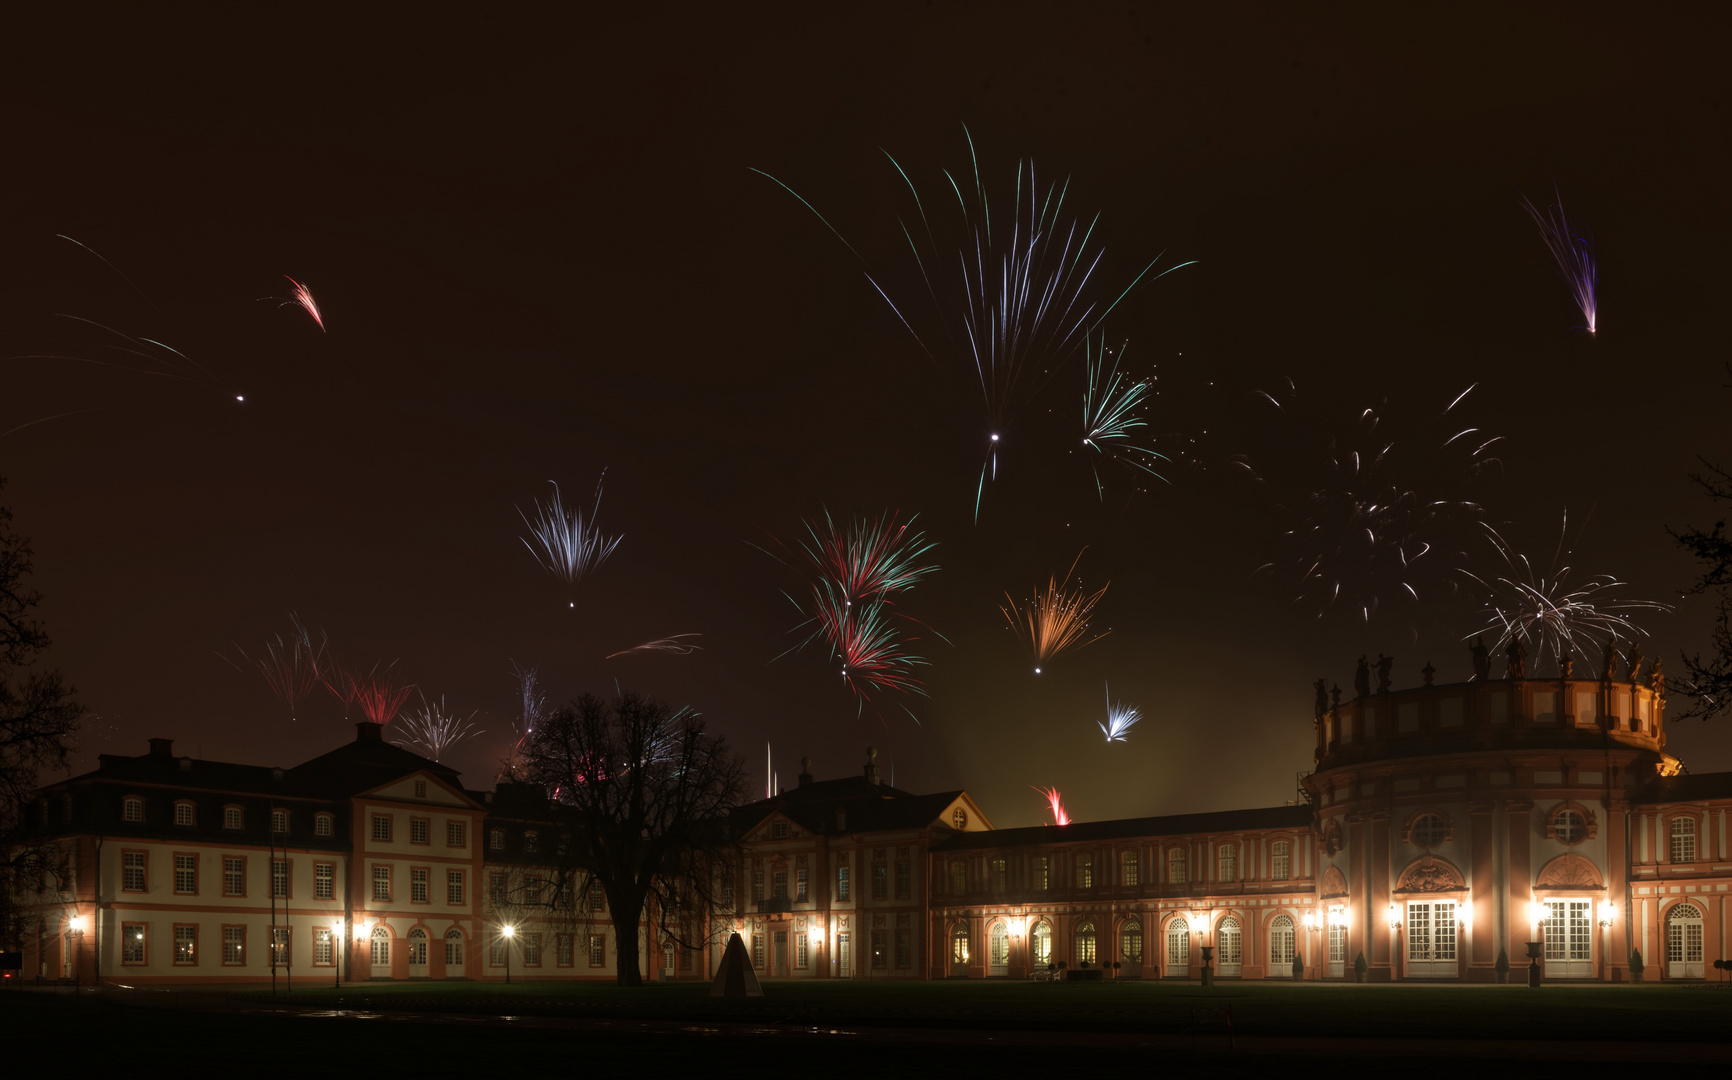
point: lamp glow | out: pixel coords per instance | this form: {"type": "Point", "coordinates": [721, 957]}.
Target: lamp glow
{"type": "Point", "coordinates": [1394, 917]}
{"type": "Point", "coordinates": [76, 924]}
{"type": "Point", "coordinates": [507, 930]}
{"type": "Point", "coordinates": [1536, 912]}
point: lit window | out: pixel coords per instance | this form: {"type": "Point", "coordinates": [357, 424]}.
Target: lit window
{"type": "Point", "coordinates": [1040, 943]}
{"type": "Point", "coordinates": [184, 814]}
{"type": "Point", "coordinates": [454, 887]}
{"type": "Point", "coordinates": [418, 831]}
{"type": "Point", "coordinates": [1228, 863]}
{"type": "Point", "coordinates": [381, 882]}
{"type": "Point", "coordinates": [324, 875]}
{"type": "Point", "coordinates": [496, 839]}
{"type": "Point", "coordinates": [1085, 943]}
{"type": "Point", "coordinates": [800, 885]}
{"type": "Point", "coordinates": [1085, 871]}
{"type": "Point", "coordinates": [186, 944]}
{"type": "Point", "coordinates": [1178, 946]}
{"type": "Point", "coordinates": [233, 818]}
{"type": "Point", "coordinates": [1000, 875]}
{"type": "Point", "coordinates": [132, 943]}
{"type": "Point", "coordinates": [280, 878]}
{"type": "Point", "coordinates": [132, 877]}
{"type": "Point", "coordinates": [802, 950]}
{"type": "Point", "coordinates": [453, 834]}
{"type": "Point", "coordinates": [959, 943]}
{"type": "Point", "coordinates": [453, 948]}
{"type": "Point", "coordinates": [234, 940]}
{"type": "Point", "coordinates": [842, 883]}
{"type": "Point", "coordinates": [1281, 943]}
{"type": "Point", "coordinates": [382, 827]}
{"type": "Point", "coordinates": [1130, 868]}
{"type": "Point", "coordinates": [186, 875]}
{"type": "Point", "coordinates": [418, 885]}
{"type": "Point", "coordinates": [1428, 831]}
{"type": "Point", "coordinates": [998, 946]}
{"type": "Point", "coordinates": [322, 951]}
{"type": "Point", "coordinates": [598, 950]}
{"type": "Point", "coordinates": [381, 947]}
{"type": "Point", "coordinates": [1038, 872]}
{"type": "Point", "coordinates": [234, 877]}
{"type": "Point", "coordinates": [1176, 866]}
{"type": "Point", "coordinates": [1569, 827]}
{"type": "Point", "coordinates": [757, 952]}
{"type": "Point", "coordinates": [1131, 941]}
{"type": "Point", "coordinates": [132, 810]}
{"type": "Point", "coordinates": [1280, 860]}
{"type": "Point", "coordinates": [1683, 840]}
{"type": "Point", "coordinates": [280, 822]}
{"type": "Point", "coordinates": [322, 825]}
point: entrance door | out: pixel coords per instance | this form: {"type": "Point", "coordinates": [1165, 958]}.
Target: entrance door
{"type": "Point", "coordinates": [959, 949]}
{"type": "Point", "coordinates": [844, 956]}
{"type": "Point", "coordinates": [1569, 936]}
{"type": "Point", "coordinates": [1000, 955]}
{"type": "Point", "coordinates": [1229, 952]}
{"type": "Point", "coordinates": [1684, 942]}
{"type": "Point", "coordinates": [380, 953]}
{"type": "Point", "coordinates": [781, 959]}
{"type": "Point", "coordinates": [1431, 939]}
{"type": "Point", "coordinates": [1337, 949]}
{"type": "Point", "coordinates": [1178, 949]}
{"type": "Point", "coordinates": [417, 953]}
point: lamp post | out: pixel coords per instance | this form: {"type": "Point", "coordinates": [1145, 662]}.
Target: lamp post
{"type": "Point", "coordinates": [75, 930]}
{"type": "Point", "coordinates": [336, 955]}
{"type": "Point", "coordinates": [1394, 935]}
{"type": "Point", "coordinates": [1536, 919]}
{"type": "Point", "coordinates": [506, 932]}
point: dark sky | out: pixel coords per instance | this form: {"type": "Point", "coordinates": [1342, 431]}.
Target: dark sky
{"type": "Point", "coordinates": [540, 252]}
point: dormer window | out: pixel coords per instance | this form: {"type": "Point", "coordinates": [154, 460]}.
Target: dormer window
{"type": "Point", "coordinates": [132, 809]}
{"type": "Point", "coordinates": [279, 821]}
{"type": "Point", "coordinates": [322, 825]}
{"type": "Point", "coordinates": [496, 839]}
{"type": "Point", "coordinates": [779, 831]}
{"type": "Point", "coordinates": [185, 814]}
{"type": "Point", "coordinates": [531, 841]}
{"type": "Point", "coordinates": [233, 818]}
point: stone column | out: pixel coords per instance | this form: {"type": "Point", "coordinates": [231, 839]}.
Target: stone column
{"type": "Point", "coordinates": [1377, 864]}
{"type": "Point", "coordinates": [1482, 880]}
{"type": "Point", "coordinates": [1616, 967]}
{"type": "Point", "coordinates": [1518, 814]}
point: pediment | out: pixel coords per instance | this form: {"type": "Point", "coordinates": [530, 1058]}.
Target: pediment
{"type": "Point", "coordinates": [1571, 871]}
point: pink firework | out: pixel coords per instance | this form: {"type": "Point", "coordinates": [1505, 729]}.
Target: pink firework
{"type": "Point", "coordinates": [1059, 817]}
{"type": "Point", "coordinates": [304, 298]}
{"type": "Point", "coordinates": [379, 695]}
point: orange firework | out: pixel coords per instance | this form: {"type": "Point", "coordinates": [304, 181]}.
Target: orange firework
{"type": "Point", "coordinates": [304, 300]}
{"type": "Point", "coordinates": [1055, 620]}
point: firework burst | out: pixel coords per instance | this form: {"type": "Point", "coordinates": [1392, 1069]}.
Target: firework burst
{"type": "Point", "coordinates": [301, 298]}
{"type": "Point", "coordinates": [1113, 405]}
{"type": "Point", "coordinates": [1056, 620]}
{"type": "Point", "coordinates": [564, 542]}
{"type": "Point", "coordinates": [1574, 255]}
{"type": "Point", "coordinates": [379, 695]}
{"type": "Point", "coordinates": [289, 665]}
{"type": "Point", "coordinates": [677, 645]}
{"type": "Point", "coordinates": [434, 729]}
{"type": "Point", "coordinates": [1055, 805]}
{"type": "Point", "coordinates": [1365, 518]}
{"type": "Point", "coordinates": [1548, 612]}
{"type": "Point", "coordinates": [1120, 719]}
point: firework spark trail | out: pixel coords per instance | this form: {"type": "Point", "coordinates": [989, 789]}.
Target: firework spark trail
{"type": "Point", "coordinates": [674, 645]}
{"type": "Point", "coordinates": [871, 648]}
{"type": "Point", "coordinates": [1360, 516]}
{"type": "Point", "coordinates": [567, 545]}
{"type": "Point", "coordinates": [1544, 611]}
{"type": "Point", "coordinates": [434, 728]}
{"type": "Point", "coordinates": [1120, 719]}
{"type": "Point", "coordinates": [1057, 620]}
{"type": "Point", "coordinates": [290, 666]}
{"type": "Point", "coordinates": [1574, 256]}
{"type": "Point", "coordinates": [1055, 805]}
{"type": "Point", "coordinates": [379, 695]}
{"type": "Point", "coordinates": [868, 559]}
{"type": "Point", "coordinates": [1112, 411]}
{"type": "Point", "coordinates": [303, 299]}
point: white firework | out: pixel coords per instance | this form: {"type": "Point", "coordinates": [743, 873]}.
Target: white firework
{"type": "Point", "coordinates": [566, 543]}
{"type": "Point", "coordinates": [434, 729]}
{"type": "Point", "coordinates": [1120, 719]}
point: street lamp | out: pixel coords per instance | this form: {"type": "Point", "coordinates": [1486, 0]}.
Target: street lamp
{"type": "Point", "coordinates": [506, 932]}
{"type": "Point", "coordinates": [1608, 914]}
{"type": "Point", "coordinates": [75, 930]}
{"type": "Point", "coordinates": [336, 956]}
{"type": "Point", "coordinates": [1536, 920]}
{"type": "Point", "coordinates": [1394, 918]}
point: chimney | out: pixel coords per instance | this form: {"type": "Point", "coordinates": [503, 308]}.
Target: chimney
{"type": "Point", "coordinates": [162, 748]}
{"type": "Point", "coordinates": [805, 771]}
{"type": "Point", "coordinates": [367, 731]}
{"type": "Point", "coordinates": [872, 765]}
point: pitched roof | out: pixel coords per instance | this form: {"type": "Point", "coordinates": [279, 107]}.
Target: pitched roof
{"type": "Point", "coordinates": [1268, 817]}
{"type": "Point", "coordinates": [867, 807]}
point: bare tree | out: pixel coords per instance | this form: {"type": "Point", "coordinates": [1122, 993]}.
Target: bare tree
{"type": "Point", "coordinates": [647, 791]}
{"type": "Point", "coordinates": [38, 725]}
{"type": "Point", "coordinates": [1708, 680]}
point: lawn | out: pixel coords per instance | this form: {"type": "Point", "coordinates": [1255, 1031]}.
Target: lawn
{"type": "Point", "coordinates": [1694, 1013]}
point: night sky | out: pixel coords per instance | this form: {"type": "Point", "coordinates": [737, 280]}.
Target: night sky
{"type": "Point", "coordinates": [541, 252]}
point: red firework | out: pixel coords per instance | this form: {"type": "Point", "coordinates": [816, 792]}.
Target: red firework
{"type": "Point", "coordinates": [379, 695]}
{"type": "Point", "coordinates": [1059, 817]}
{"type": "Point", "coordinates": [307, 303]}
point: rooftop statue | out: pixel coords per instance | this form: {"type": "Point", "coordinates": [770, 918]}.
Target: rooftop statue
{"type": "Point", "coordinates": [1322, 705]}
{"type": "Point", "coordinates": [1384, 663]}
{"type": "Point", "coordinates": [1657, 677]}
{"type": "Point", "coordinates": [1427, 672]}
{"type": "Point", "coordinates": [1566, 667]}
{"type": "Point", "coordinates": [1517, 659]}
{"type": "Point", "coordinates": [1481, 659]}
{"type": "Point", "coordinates": [1609, 660]}
{"type": "Point", "coordinates": [1635, 661]}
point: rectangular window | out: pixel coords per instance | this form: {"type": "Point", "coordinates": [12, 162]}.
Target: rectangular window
{"type": "Point", "coordinates": [1683, 840]}
{"type": "Point", "coordinates": [322, 825]}
{"type": "Point", "coordinates": [382, 827]}
{"type": "Point", "coordinates": [757, 952]}
{"type": "Point", "coordinates": [800, 950]}
{"type": "Point", "coordinates": [598, 950]}
{"type": "Point", "coordinates": [420, 789]}
{"type": "Point", "coordinates": [563, 943]}
{"type": "Point", "coordinates": [597, 897]}
{"type": "Point", "coordinates": [781, 881]}
{"type": "Point", "coordinates": [1228, 863]}
{"type": "Point", "coordinates": [496, 953]}
{"type": "Point", "coordinates": [419, 831]}
{"type": "Point", "coordinates": [381, 882]}
{"type": "Point", "coordinates": [234, 876]}
{"type": "Point", "coordinates": [184, 814]}
{"type": "Point", "coordinates": [531, 950]}
{"type": "Point", "coordinates": [132, 943]}
{"type": "Point", "coordinates": [453, 834]}
{"type": "Point", "coordinates": [186, 875]}
{"type": "Point", "coordinates": [418, 885]}
{"type": "Point", "coordinates": [322, 951]}
{"type": "Point", "coordinates": [496, 887]}
{"type": "Point", "coordinates": [1280, 860]}
{"type": "Point", "coordinates": [453, 948]}
{"type": "Point", "coordinates": [1176, 866]}
{"type": "Point", "coordinates": [880, 881]}
{"type": "Point", "coordinates": [903, 952]}
{"type": "Point", "coordinates": [234, 941]}
{"type": "Point", "coordinates": [904, 878]}
{"type": "Point", "coordinates": [280, 878]}
{"type": "Point", "coordinates": [779, 831]}
{"type": "Point", "coordinates": [280, 822]}
{"type": "Point", "coordinates": [454, 887]}
{"type": "Point", "coordinates": [132, 810]}
{"type": "Point", "coordinates": [1000, 875]}
{"type": "Point", "coordinates": [880, 958]}
{"type": "Point", "coordinates": [186, 944]}
{"type": "Point", "coordinates": [132, 877]}
{"type": "Point", "coordinates": [1085, 871]}
{"type": "Point", "coordinates": [324, 878]}
{"type": "Point", "coordinates": [800, 885]}
{"type": "Point", "coordinates": [958, 877]}
{"type": "Point", "coordinates": [1041, 879]}
{"type": "Point", "coordinates": [1130, 869]}
{"type": "Point", "coordinates": [496, 839]}
{"type": "Point", "coordinates": [842, 883]}
{"type": "Point", "coordinates": [232, 818]}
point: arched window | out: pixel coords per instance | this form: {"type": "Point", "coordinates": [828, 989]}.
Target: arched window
{"type": "Point", "coordinates": [132, 810]}
{"type": "Point", "coordinates": [1569, 827]}
{"type": "Point", "coordinates": [1176, 865]}
{"type": "Point", "coordinates": [232, 817]}
{"type": "Point", "coordinates": [1040, 943]}
{"type": "Point", "coordinates": [1683, 839]}
{"type": "Point", "coordinates": [1684, 941]}
{"type": "Point", "coordinates": [417, 947]}
{"type": "Point", "coordinates": [1228, 862]}
{"type": "Point", "coordinates": [1085, 943]}
{"type": "Point", "coordinates": [959, 943]}
{"type": "Point", "coordinates": [1130, 869]}
{"type": "Point", "coordinates": [1178, 946]}
{"type": "Point", "coordinates": [1280, 860]}
{"type": "Point", "coordinates": [381, 947]}
{"type": "Point", "coordinates": [185, 814]}
{"type": "Point", "coordinates": [1131, 941]}
{"type": "Point", "coordinates": [1281, 944]}
{"type": "Point", "coordinates": [453, 948]}
{"type": "Point", "coordinates": [1000, 946]}
{"type": "Point", "coordinates": [1429, 831]}
{"type": "Point", "coordinates": [1228, 939]}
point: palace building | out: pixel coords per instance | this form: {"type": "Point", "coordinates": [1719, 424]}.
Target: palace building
{"type": "Point", "coordinates": [1442, 828]}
